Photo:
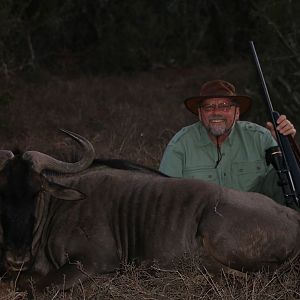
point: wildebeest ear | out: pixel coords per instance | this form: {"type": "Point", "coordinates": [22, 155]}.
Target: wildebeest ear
{"type": "Point", "coordinates": [62, 192]}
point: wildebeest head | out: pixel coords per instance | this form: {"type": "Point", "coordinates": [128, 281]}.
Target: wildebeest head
{"type": "Point", "coordinates": [21, 185]}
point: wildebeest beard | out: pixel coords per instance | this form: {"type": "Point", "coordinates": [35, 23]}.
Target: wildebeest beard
{"type": "Point", "coordinates": [17, 215]}
{"type": "Point", "coordinates": [217, 129]}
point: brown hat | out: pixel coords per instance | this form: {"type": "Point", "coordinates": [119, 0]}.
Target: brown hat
{"type": "Point", "coordinates": [218, 89]}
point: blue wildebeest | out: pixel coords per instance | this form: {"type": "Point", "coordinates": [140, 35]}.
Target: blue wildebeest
{"type": "Point", "coordinates": [105, 213]}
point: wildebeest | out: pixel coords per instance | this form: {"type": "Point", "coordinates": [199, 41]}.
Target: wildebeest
{"type": "Point", "coordinates": [105, 213]}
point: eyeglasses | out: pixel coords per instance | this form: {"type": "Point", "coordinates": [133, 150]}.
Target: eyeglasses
{"type": "Point", "coordinates": [221, 106]}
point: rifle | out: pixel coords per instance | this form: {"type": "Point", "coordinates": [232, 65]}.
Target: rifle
{"type": "Point", "coordinates": [285, 157]}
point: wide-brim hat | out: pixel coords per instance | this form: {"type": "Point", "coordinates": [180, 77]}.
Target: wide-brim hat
{"type": "Point", "coordinates": [218, 89]}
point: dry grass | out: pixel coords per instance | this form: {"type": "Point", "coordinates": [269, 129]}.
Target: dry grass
{"type": "Point", "coordinates": [131, 117]}
{"type": "Point", "coordinates": [187, 281]}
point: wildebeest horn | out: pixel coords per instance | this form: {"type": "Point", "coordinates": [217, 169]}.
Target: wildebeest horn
{"type": "Point", "coordinates": [41, 161]}
{"type": "Point", "coordinates": [4, 156]}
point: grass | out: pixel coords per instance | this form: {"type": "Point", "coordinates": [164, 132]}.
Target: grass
{"type": "Point", "coordinates": [187, 281]}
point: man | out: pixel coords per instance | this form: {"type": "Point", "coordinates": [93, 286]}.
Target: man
{"type": "Point", "coordinates": [222, 149]}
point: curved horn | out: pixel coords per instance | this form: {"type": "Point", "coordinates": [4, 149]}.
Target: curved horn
{"type": "Point", "coordinates": [41, 161]}
{"type": "Point", "coordinates": [5, 155]}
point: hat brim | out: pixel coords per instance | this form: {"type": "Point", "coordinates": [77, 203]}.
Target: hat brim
{"type": "Point", "coordinates": [244, 102]}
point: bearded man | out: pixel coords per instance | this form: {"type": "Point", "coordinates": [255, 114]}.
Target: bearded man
{"type": "Point", "coordinates": [222, 149]}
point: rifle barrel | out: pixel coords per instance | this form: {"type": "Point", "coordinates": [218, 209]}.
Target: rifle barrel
{"type": "Point", "coordinates": [291, 167]}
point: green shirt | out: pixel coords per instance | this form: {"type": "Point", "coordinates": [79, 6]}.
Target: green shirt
{"type": "Point", "coordinates": [192, 154]}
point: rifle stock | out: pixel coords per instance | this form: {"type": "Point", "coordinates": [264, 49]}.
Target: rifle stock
{"type": "Point", "coordinates": [286, 165]}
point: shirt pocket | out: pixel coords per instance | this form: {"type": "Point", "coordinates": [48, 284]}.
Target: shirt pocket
{"type": "Point", "coordinates": [200, 172]}
{"type": "Point", "coordinates": [247, 175]}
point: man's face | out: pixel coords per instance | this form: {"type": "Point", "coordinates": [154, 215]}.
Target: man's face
{"type": "Point", "coordinates": [218, 115]}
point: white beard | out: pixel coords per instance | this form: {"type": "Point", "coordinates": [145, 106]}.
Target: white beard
{"type": "Point", "coordinates": [217, 128]}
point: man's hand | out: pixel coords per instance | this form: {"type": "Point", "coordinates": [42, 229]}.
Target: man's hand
{"type": "Point", "coordinates": [284, 126]}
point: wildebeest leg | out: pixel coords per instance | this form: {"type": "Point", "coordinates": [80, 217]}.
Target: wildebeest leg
{"type": "Point", "coordinates": [64, 278]}
{"type": "Point", "coordinates": [78, 255]}
{"type": "Point", "coordinates": [71, 274]}
{"type": "Point", "coordinates": [86, 256]}
{"type": "Point", "coordinates": [214, 266]}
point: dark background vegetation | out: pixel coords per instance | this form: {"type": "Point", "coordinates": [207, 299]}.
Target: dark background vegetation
{"type": "Point", "coordinates": [94, 36]}
{"type": "Point", "coordinates": [118, 71]}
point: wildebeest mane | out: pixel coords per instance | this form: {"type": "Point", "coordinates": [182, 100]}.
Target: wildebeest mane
{"type": "Point", "coordinates": [17, 151]}
{"type": "Point", "coordinates": [75, 154]}
{"type": "Point", "coordinates": [125, 165]}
